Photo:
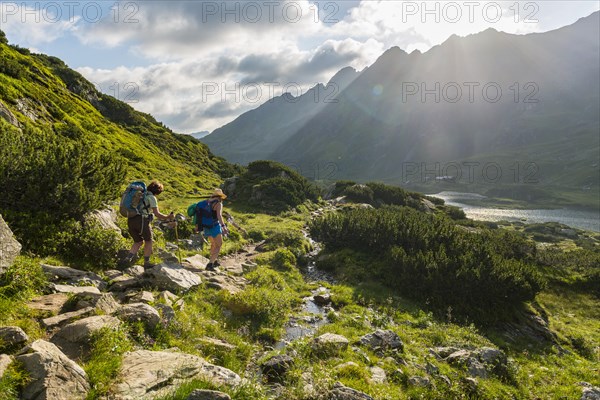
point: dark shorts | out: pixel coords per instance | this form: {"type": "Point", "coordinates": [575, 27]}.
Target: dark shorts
{"type": "Point", "coordinates": [137, 232]}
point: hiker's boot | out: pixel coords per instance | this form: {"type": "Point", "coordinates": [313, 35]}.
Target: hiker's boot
{"type": "Point", "coordinates": [210, 266]}
{"type": "Point", "coordinates": [216, 264]}
{"type": "Point", "coordinates": [127, 261]}
{"type": "Point", "coordinates": [147, 264]}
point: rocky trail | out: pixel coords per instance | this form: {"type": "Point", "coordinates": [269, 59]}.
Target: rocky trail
{"type": "Point", "coordinates": [80, 303]}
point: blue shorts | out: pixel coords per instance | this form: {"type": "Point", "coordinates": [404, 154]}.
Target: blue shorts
{"type": "Point", "coordinates": [213, 232]}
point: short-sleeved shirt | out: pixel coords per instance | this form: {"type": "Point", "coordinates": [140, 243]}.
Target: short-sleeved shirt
{"type": "Point", "coordinates": [151, 203]}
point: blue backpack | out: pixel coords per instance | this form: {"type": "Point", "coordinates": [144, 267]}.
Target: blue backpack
{"type": "Point", "coordinates": [133, 200]}
{"type": "Point", "coordinates": [203, 213]}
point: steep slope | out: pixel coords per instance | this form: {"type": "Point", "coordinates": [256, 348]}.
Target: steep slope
{"type": "Point", "coordinates": [39, 92]}
{"type": "Point", "coordinates": [444, 106]}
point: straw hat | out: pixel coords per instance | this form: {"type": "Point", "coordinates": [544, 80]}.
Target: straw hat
{"type": "Point", "coordinates": [219, 193]}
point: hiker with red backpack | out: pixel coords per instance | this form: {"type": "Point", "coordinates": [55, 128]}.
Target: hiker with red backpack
{"type": "Point", "coordinates": [208, 217]}
{"type": "Point", "coordinates": [140, 206]}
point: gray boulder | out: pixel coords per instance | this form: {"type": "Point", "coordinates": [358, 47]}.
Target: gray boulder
{"type": "Point", "coordinates": [11, 336]}
{"type": "Point", "coordinates": [53, 375]}
{"type": "Point", "coordinates": [419, 381]}
{"type": "Point", "coordinates": [476, 369]}
{"type": "Point", "coordinates": [383, 340]}
{"type": "Point", "coordinates": [491, 356]}
{"type": "Point", "coordinates": [148, 374]}
{"type": "Point", "coordinates": [341, 392]}
{"type": "Point", "coordinates": [104, 302]}
{"type": "Point", "coordinates": [72, 276]}
{"type": "Point", "coordinates": [173, 278]}
{"type": "Point", "coordinates": [329, 344]}
{"type": "Point", "coordinates": [7, 115]}
{"type": "Point", "coordinates": [5, 361]}
{"type": "Point", "coordinates": [276, 367]}
{"type": "Point", "coordinates": [378, 375]}
{"type": "Point", "coordinates": [10, 248]}
{"type": "Point", "coordinates": [167, 297]}
{"type": "Point", "coordinates": [105, 219]}
{"type": "Point", "coordinates": [74, 339]}
{"type": "Point", "coordinates": [143, 297]}
{"type": "Point", "coordinates": [203, 394]}
{"type": "Point", "coordinates": [589, 392]}
{"type": "Point", "coordinates": [166, 312]}
{"type": "Point", "coordinates": [139, 312]}
{"type": "Point", "coordinates": [322, 299]}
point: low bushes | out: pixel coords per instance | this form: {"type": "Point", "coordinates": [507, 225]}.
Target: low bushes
{"type": "Point", "coordinates": [429, 258]}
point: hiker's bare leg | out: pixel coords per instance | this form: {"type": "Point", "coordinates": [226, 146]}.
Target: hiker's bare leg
{"type": "Point", "coordinates": [215, 247]}
{"type": "Point", "coordinates": [136, 247]}
{"type": "Point", "coordinates": [148, 248]}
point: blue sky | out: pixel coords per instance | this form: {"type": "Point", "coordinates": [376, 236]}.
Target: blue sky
{"type": "Point", "coordinates": [196, 65]}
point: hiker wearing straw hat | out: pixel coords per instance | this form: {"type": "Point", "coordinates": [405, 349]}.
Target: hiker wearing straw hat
{"type": "Point", "coordinates": [208, 216]}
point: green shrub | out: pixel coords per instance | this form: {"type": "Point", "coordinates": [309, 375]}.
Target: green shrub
{"type": "Point", "coordinates": [429, 258]}
{"type": "Point", "coordinates": [340, 187]}
{"type": "Point", "coordinates": [284, 259]}
{"type": "Point", "coordinates": [45, 179]}
{"type": "Point", "coordinates": [274, 186]}
{"type": "Point", "coordinates": [359, 194]}
{"type": "Point", "coordinates": [89, 245]}
{"type": "Point", "coordinates": [455, 212]}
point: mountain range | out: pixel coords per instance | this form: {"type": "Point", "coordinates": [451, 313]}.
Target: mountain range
{"type": "Point", "coordinates": [491, 110]}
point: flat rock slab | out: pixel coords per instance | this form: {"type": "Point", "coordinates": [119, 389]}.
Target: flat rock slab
{"type": "Point", "coordinates": [196, 262]}
{"type": "Point", "coordinates": [73, 276]}
{"type": "Point", "coordinates": [146, 374]}
{"type": "Point", "coordinates": [68, 289]}
{"type": "Point", "coordinates": [53, 375]}
{"type": "Point", "coordinates": [74, 339]}
{"type": "Point", "coordinates": [123, 283]}
{"type": "Point", "coordinates": [63, 319]}
{"type": "Point", "coordinates": [172, 277]}
{"type": "Point", "coordinates": [51, 302]}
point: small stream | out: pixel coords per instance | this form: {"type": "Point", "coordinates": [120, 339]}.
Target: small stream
{"type": "Point", "coordinates": [312, 315]}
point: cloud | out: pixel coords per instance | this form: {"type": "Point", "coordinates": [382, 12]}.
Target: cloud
{"type": "Point", "coordinates": [168, 30]}
{"type": "Point", "coordinates": [203, 94]}
{"type": "Point", "coordinates": [34, 25]}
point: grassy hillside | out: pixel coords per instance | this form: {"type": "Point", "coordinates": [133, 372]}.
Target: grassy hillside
{"type": "Point", "coordinates": [43, 93]}
{"type": "Point", "coordinates": [71, 148]}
